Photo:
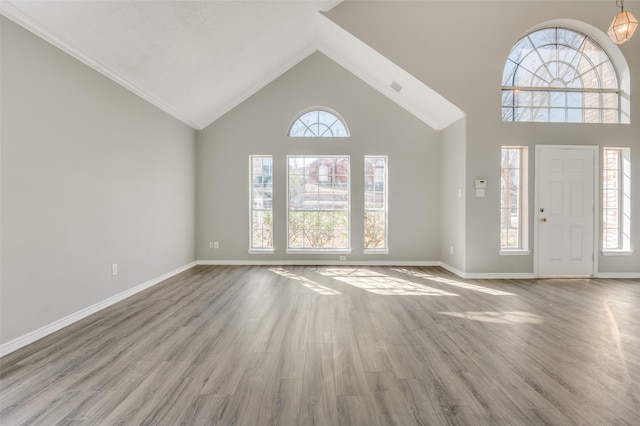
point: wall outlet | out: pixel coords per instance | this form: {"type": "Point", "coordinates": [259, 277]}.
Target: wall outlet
{"type": "Point", "coordinates": [114, 269]}
{"type": "Point", "coordinates": [216, 245]}
{"type": "Point", "coordinates": [343, 257]}
{"type": "Point", "coordinates": [211, 244]}
{"type": "Point", "coordinates": [451, 249]}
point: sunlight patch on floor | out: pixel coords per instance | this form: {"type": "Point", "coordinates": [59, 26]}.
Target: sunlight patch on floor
{"type": "Point", "coordinates": [312, 285]}
{"type": "Point", "coordinates": [382, 284]}
{"type": "Point", "coordinates": [454, 283]}
{"type": "Point", "coordinates": [511, 317]}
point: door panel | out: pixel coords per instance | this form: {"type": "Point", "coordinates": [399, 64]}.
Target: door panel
{"type": "Point", "coordinates": [566, 214]}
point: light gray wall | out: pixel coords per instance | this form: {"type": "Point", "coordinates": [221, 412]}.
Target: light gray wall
{"type": "Point", "coordinates": [259, 126]}
{"type": "Point", "coordinates": [459, 49]}
{"type": "Point", "coordinates": [91, 175]}
{"type": "Point", "coordinates": [453, 188]}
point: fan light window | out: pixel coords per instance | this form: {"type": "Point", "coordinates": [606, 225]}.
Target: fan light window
{"type": "Point", "coordinates": [559, 75]}
{"type": "Point", "coordinates": [318, 123]}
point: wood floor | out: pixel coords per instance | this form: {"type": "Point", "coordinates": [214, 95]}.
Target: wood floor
{"type": "Point", "coordinates": [339, 346]}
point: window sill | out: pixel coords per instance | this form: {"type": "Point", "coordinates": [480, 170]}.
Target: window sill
{"type": "Point", "coordinates": [515, 252]}
{"type": "Point", "coordinates": [261, 251]}
{"type": "Point", "coordinates": [617, 252]}
{"type": "Point", "coordinates": [376, 251]}
{"type": "Point", "coordinates": [318, 251]}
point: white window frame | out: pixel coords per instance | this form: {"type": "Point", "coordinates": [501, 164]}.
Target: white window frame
{"type": "Point", "coordinates": [384, 209]}
{"type": "Point", "coordinates": [324, 129]}
{"type": "Point", "coordinates": [553, 95]}
{"type": "Point", "coordinates": [622, 191]}
{"type": "Point", "coordinates": [314, 250]}
{"type": "Point", "coordinates": [253, 209]}
{"type": "Point", "coordinates": [523, 207]}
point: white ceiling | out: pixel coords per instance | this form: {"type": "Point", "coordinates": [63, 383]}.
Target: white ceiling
{"type": "Point", "coordinates": [197, 60]}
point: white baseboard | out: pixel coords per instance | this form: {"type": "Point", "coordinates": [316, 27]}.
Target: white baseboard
{"type": "Point", "coordinates": [488, 275]}
{"type": "Point", "coordinates": [619, 275]}
{"type": "Point", "coordinates": [525, 275]}
{"type": "Point", "coordinates": [461, 274]}
{"type": "Point", "coordinates": [499, 276]}
{"type": "Point", "coordinates": [38, 334]}
{"type": "Point", "coordinates": [320, 262]}
{"type": "Point", "coordinates": [452, 269]}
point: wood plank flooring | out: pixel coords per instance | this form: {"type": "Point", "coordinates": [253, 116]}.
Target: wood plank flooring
{"type": "Point", "coordinates": [234, 345]}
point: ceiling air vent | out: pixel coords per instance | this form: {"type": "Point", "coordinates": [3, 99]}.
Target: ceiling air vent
{"type": "Point", "coordinates": [395, 86]}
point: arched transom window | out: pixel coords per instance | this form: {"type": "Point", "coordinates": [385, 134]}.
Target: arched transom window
{"type": "Point", "coordinates": [559, 75]}
{"type": "Point", "coordinates": [319, 123]}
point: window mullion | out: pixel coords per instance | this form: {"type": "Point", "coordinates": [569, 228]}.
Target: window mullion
{"type": "Point", "coordinates": [543, 75]}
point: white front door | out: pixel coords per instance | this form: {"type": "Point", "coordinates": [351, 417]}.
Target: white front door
{"type": "Point", "coordinates": [565, 210]}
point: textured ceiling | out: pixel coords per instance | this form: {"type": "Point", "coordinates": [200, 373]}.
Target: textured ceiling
{"type": "Point", "coordinates": [196, 60]}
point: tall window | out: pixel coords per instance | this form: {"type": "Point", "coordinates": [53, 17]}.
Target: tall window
{"type": "Point", "coordinates": [513, 200]}
{"type": "Point", "coordinates": [319, 123]}
{"type": "Point", "coordinates": [318, 199]}
{"type": "Point", "coordinates": [559, 75]}
{"type": "Point", "coordinates": [261, 191]}
{"type": "Point", "coordinates": [616, 199]}
{"type": "Point", "coordinates": [375, 203]}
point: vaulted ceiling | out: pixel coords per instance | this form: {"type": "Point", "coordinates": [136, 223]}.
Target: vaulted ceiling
{"type": "Point", "coordinates": [196, 60]}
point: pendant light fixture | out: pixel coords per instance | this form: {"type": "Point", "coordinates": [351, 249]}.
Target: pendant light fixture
{"type": "Point", "coordinates": [623, 26]}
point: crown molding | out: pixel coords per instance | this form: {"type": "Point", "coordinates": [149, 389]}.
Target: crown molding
{"type": "Point", "coordinates": [16, 15]}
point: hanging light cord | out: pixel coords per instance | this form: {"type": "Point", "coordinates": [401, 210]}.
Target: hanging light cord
{"type": "Point", "coordinates": [621, 5]}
